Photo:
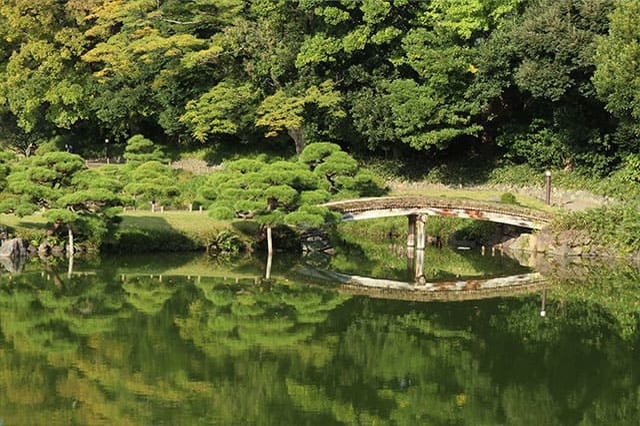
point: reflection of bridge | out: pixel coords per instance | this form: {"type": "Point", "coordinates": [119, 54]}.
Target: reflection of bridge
{"type": "Point", "coordinates": [417, 209]}
{"type": "Point", "coordinates": [470, 289]}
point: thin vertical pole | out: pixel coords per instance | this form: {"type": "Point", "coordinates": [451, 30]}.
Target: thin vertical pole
{"type": "Point", "coordinates": [547, 182]}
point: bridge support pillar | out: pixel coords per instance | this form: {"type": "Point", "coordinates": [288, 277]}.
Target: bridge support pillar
{"type": "Point", "coordinates": [420, 235]}
{"type": "Point", "coordinates": [419, 267]}
{"type": "Point", "coordinates": [411, 230]}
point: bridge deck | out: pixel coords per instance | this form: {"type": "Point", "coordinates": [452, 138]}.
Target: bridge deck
{"type": "Point", "coordinates": [370, 208]}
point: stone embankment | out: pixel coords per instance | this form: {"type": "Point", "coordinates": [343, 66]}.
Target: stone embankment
{"type": "Point", "coordinates": [19, 247]}
{"type": "Point", "coordinates": [13, 248]}
{"type": "Point", "coordinates": [565, 243]}
{"type": "Point", "coordinates": [195, 166]}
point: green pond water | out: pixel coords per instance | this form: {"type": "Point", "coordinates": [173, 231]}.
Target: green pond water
{"type": "Point", "coordinates": [184, 340]}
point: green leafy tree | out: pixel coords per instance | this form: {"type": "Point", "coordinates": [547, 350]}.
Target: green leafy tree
{"type": "Point", "coordinates": [289, 111]}
{"type": "Point", "coordinates": [285, 191]}
{"type": "Point", "coordinates": [224, 110]}
{"type": "Point", "coordinates": [72, 196]}
{"type": "Point", "coordinates": [152, 182]}
{"type": "Point", "coordinates": [41, 180]}
{"type": "Point", "coordinates": [134, 50]}
{"type": "Point", "coordinates": [617, 73]}
{"type": "Point", "coordinates": [534, 74]}
{"type": "Point", "coordinates": [43, 83]}
{"type": "Point", "coordinates": [140, 150]}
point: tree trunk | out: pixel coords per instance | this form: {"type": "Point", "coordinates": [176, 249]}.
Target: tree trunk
{"type": "Point", "coordinates": [71, 250]}
{"type": "Point", "coordinates": [267, 275]}
{"type": "Point", "coordinates": [70, 269]}
{"type": "Point", "coordinates": [298, 137]}
{"type": "Point", "coordinates": [269, 241]}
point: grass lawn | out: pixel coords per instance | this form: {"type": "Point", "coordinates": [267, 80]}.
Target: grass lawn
{"type": "Point", "coordinates": [183, 221]}
{"type": "Point", "coordinates": [187, 222]}
{"type": "Point", "coordinates": [29, 227]}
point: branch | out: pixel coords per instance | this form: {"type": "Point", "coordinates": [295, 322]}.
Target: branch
{"type": "Point", "coordinates": [173, 21]}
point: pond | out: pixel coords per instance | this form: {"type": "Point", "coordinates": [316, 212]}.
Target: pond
{"type": "Point", "coordinates": [168, 339]}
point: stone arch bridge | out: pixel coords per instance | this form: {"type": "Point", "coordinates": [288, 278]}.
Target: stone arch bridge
{"type": "Point", "coordinates": [418, 208]}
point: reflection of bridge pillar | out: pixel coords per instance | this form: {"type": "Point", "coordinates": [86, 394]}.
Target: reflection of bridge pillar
{"type": "Point", "coordinates": [419, 269]}
{"type": "Point", "coordinates": [411, 256]}
{"type": "Point", "coordinates": [420, 236]}
{"type": "Point", "coordinates": [411, 230]}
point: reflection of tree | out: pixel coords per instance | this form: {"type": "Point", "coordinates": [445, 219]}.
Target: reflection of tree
{"type": "Point", "coordinates": [462, 363]}
{"type": "Point", "coordinates": [148, 294]}
{"type": "Point", "coordinates": [239, 316]}
{"type": "Point", "coordinates": [221, 352]}
{"type": "Point", "coordinates": [37, 315]}
{"type": "Point", "coordinates": [612, 288]}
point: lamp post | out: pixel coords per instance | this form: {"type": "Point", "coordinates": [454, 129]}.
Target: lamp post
{"type": "Point", "coordinates": [106, 149]}
{"type": "Point", "coordinates": [547, 183]}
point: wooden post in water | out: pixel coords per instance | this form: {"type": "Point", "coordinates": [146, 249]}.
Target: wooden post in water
{"type": "Point", "coordinates": [411, 230]}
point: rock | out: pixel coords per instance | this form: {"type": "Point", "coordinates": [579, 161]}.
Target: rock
{"type": "Point", "coordinates": [316, 259]}
{"type": "Point", "coordinates": [57, 250]}
{"type": "Point", "coordinates": [13, 248]}
{"type": "Point", "coordinates": [44, 248]}
{"type": "Point", "coordinates": [13, 264]}
{"type": "Point", "coordinates": [315, 241]}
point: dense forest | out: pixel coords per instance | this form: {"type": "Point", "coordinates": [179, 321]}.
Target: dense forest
{"type": "Point", "coordinates": [550, 82]}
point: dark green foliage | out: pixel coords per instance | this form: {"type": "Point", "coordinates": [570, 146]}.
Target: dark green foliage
{"type": "Point", "coordinates": [508, 198]}
{"type": "Point", "coordinates": [152, 181]}
{"type": "Point", "coordinates": [225, 243]}
{"type": "Point", "coordinates": [544, 82]}
{"type": "Point", "coordinates": [287, 191]}
{"type": "Point", "coordinates": [477, 231]}
{"type": "Point", "coordinates": [148, 240]}
{"type": "Point", "coordinates": [83, 201]}
{"type": "Point", "coordinates": [141, 150]}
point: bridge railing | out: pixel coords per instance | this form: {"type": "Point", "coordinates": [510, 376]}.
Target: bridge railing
{"type": "Point", "coordinates": [416, 202]}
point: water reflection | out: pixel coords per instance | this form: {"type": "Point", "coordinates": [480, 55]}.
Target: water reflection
{"type": "Point", "coordinates": [183, 340]}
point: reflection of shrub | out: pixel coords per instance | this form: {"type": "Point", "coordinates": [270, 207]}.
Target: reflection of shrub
{"type": "Point", "coordinates": [478, 231]}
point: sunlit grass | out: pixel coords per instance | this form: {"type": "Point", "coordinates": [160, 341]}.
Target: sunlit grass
{"type": "Point", "coordinates": [25, 227]}
{"type": "Point", "coordinates": [184, 221]}
{"type": "Point", "coordinates": [469, 194]}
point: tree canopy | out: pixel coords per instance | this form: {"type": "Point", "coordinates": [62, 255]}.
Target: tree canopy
{"type": "Point", "coordinates": [539, 81]}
